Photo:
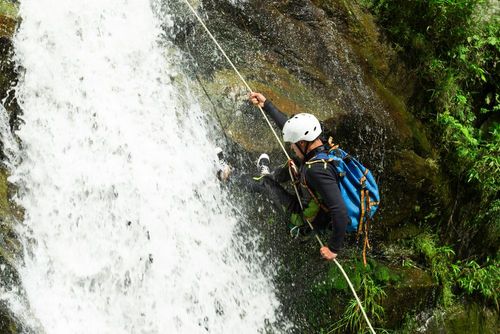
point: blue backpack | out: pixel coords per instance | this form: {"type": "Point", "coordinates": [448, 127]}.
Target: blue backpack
{"type": "Point", "coordinates": [358, 189]}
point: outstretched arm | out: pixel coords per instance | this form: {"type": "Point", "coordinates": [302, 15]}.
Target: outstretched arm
{"type": "Point", "coordinates": [278, 117]}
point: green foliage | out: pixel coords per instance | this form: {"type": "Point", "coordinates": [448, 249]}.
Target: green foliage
{"type": "Point", "coordinates": [476, 279]}
{"type": "Point", "coordinates": [312, 209]}
{"type": "Point", "coordinates": [479, 153]}
{"type": "Point", "coordinates": [378, 272]}
{"type": "Point", "coordinates": [453, 47]}
{"type": "Point", "coordinates": [490, 215]}
{"type": "Point", "coordinates": [469, 276]}
{"type": "Point", "coordinates": [369, 282]}
{"type": "Point", "coordinates": [439, 259]}
{"type": "Point", "coordinates": [353, 319]}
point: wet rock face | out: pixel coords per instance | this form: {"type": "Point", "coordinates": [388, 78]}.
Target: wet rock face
{"type": "Point", "coordinates": [326, 58]}
{"type": "Point", "coordinates": [8, 80]}
{"type": "Point", "coordinates": [8, 18]}
{"type": "Point", "coordinates": [464, 318]}
{"type": "Point", "coordinates": [8, 72]}
{"type": "Point", "coordinates": [10, 251]}
{"type": "Point", "coordinates": [301, 38]}
{"type": "Point", "coordinates": [9, 246]}
{"type": "Point", "coordinates": [415, 292]}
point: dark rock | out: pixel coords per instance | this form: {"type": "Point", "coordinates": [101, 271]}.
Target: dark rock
{"type": "Point", "coordinates": [414, 293]}
{"type": "Point", "coordinates": [463, 318]}
{"type": "Point", "coordinates": [10, 248]}
{"type": "Point", "coordinates": [10, 251]}
{"type": "Point", "coordinates": [7, 324]}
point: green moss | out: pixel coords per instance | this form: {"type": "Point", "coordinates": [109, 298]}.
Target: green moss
{"type": "Point", "coordinates": [439, 258]}
{"type": "Point", "coordinates": [283, 88]}
{"type": "Point", "coordinates": [415, 169]}
{"type": "Point", "coordinates": [9, 245]}
{"type": "Point", "coordinates": [380, 273]}
{"type": "Point", "coordinates": [406, 231]}
{"type": "Point", "coordinates": [4, 195]}
{"type": "Point", "coordinates": [383, 274]}
{"type": "Point", "coordinates": [8, 8]}
{"type": "Point", "coordinates": [464, 318]}
{"type": "Point", "coordinates": [8, 18]}
{"type": "Point", "coordinates": [408, 126]}
{"type": "Point", "coordinates": [7, 323]}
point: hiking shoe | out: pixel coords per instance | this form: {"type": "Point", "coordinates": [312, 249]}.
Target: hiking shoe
{"type": "Point", "coordinates": [223, 168]}
{"type": "Point", "coordinates": [263, 164]}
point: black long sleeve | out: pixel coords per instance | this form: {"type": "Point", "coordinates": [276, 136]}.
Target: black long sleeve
{"type": "Point", "coordinates": [280, 174]}
{"type": "Point", "coordinates": [278, 117]}
{"type": "Point", "coordinates": [324, 181]}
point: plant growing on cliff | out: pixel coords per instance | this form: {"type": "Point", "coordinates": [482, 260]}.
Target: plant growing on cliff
{"type": "Point", "coordinates": [352, 319]}
{"type": "Point", "coordinates": [476, 279]}
{"type": "Point", "coordinates": [468, 276]}
{"type": "Point", "coordinates": [369, 281]}
{"type": "Point", "coordinates": [439, 259]}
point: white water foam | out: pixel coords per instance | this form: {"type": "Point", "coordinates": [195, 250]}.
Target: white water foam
{"type": "Point", "coordinates": [126, 229]}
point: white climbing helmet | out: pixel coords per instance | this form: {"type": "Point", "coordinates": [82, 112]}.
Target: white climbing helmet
{"type": "Point", "coordinates": [301, 127]}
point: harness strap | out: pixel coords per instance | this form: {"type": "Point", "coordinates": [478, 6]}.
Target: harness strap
{"type": "Point", "coordinates": [314, 197]}
{"type": "Point", "coordinates": [364, 221]}
{"type": "Point", "coordinates": [362, 215]}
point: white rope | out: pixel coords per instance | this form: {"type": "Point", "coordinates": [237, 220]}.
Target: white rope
{"type": "Point", "coordinates": [355, 295]}
{"type": "Point", "coordinates": [238, 73]}
{"type": "Point", "coordinates": [286, 154]}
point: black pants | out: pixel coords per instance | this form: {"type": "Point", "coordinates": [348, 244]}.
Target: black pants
{"type": "Point", "coordinates": [280, 197]}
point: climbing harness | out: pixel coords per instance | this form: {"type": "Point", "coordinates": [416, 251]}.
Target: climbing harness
{"type": "Point", "coordinates": [290, 161]}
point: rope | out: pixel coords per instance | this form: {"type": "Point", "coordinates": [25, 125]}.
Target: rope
{"type": "Point", "coordinates": [239, 75]}
{"type": "Point", "coordinates": [286, 154]}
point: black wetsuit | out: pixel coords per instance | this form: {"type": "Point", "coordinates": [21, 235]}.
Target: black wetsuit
{"type": "Point", "coordinates": [321, 180]}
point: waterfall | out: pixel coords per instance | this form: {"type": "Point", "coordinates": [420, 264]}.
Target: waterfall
{"type": "Point", "coordinates": [126, 229]}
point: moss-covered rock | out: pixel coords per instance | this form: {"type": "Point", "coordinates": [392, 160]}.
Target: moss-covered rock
{"type": "Point", "coordinates": [8, 18]}
{"type": "Point", "coordinates": [243, 123]}
{"type": "Point", "coordinates": [9, 244]}
{"type": "Point", "coordinates": [10, 250]}
{"type": "Point", "coordinates": [418, 191]}
{"type": "Point", "coordinates": [8, 74]}
{"type": "Point", "coordinates": [7, 323]}
{"type": "Point", "coordinates": [414, 292]}
{"type": "Point", "coordinates": [463, 318]}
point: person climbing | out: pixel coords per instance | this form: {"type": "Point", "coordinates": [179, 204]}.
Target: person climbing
{"type": "Point", "coordinates": [323, 203]}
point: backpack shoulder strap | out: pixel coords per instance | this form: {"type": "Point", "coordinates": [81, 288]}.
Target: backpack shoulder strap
{"type": "Point", "coordinates": [313, 196]}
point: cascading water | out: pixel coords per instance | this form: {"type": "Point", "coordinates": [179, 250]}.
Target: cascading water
{"type": "Point", "coordinates": [126, 229]}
